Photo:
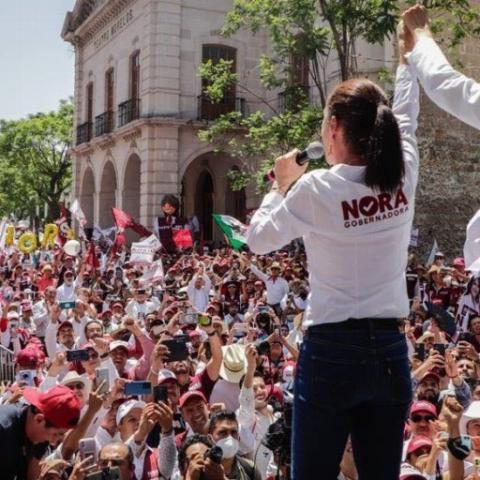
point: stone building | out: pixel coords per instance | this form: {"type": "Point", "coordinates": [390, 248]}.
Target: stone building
{"type": "Point", "coordinates": [139, 106]}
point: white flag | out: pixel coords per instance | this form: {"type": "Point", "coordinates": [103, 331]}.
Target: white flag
{"type": "Point", "coordinates": [77, 212]}
{"type": "Point", "coordinates": [414, 238]}
{"type": "Point", "coordinates": [471, 249]}
{"type": "Point", "coordinates": [3, 232]}
{"type": "Point", "coordinates": [143, 252]}
{"type": "Point", "coordinates": [434, 251]}
{"type": "Point", "coordinates": [153, 274]}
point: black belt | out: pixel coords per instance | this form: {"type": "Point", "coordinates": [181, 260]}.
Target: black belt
{"type": "Point", "coordinates": [359, 324]}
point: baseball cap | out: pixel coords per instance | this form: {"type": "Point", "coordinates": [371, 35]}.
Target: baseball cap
{"type": "Point", "coordinates": [423, 406]}
{"type": "Point", "coordinates": [186, 397]}
{"type": "Point", "coordinates": [118, 343]}
{"type": "Point", "coordinates": [125, 408]}
{"type": "Point", "coordinates": [418, 442]}
{"type": "Point", "coordinates": [439, 254]}
{"type": "Point", "coordinates": [12, 315]}
{"type": "Point", "coordinates": [164, 375]}
{"type": "Point", "coordinates": [194, 333]}
{"type": "Point", "coordinates": [409, 472]}
{"type": "Point", "coordinates": [65, 323]}
{"type": "Point", "coordinates": [59, 405]}
{"type": "Point", "coordinates": [458, 262]}
{"type": "Point", "coordinates": [117, 304]}
{"type": "Point", "coordinates": [29, 356]}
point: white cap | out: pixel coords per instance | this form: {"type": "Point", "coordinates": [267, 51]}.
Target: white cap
{"type": "Point", "coordinates": [164, 374]}
{"type": "Point", "coordinates": [125, 408]}
{"type": "Point", "coordinates": [118, 343]}
{"type": "Point", "coordinates": [471, 413]}
{"type": "Point", "coordinates": [11, 315]}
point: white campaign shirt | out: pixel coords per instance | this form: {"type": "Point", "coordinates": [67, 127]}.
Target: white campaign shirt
{"type": "Point", "coordinates": [276, 288]}
{"type": "Point", "coordinates": [356, 239]}
{"type": "Point", "coordinates": [449, 89]}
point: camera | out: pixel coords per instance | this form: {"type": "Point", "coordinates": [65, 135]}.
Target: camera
{"type": "Point", "coordinates": [263, 348]}
{"type": "Point", "coordinates": [264, 322]}
{"type": "Point", "coordinates": [215, 454]}
{"type": "Point", "coordinates": [279, 435]}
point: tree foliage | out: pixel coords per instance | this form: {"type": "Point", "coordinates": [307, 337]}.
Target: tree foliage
{"type": "Point", "coordinates": [35, 166]}
{"type": "Point", "coordinates": [324, 32]}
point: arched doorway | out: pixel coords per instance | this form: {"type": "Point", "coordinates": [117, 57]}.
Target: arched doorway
{"type": "Point", "coordinates": [131, 192]}
{"type": "Point", "coordinates": [204, 204]}
{"type": "Point", "coordinates": [235, 201]}
{"type": "Point", "coordinates": [87, 196]}
{"type": "Point", "coordinates": [107, 199]}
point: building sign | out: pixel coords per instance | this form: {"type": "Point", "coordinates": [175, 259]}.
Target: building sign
{"type": "Point", "coordinates": [113, 29]}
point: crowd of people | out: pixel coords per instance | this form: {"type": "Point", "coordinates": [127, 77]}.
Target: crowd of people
{"type": "Point", "coordinates": [190, 376]}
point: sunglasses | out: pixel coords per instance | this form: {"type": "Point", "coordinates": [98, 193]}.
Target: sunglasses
{"type": "Point", "coordinates": [418, 418]}
{"type": "Point", "coordinates": [76, 386]}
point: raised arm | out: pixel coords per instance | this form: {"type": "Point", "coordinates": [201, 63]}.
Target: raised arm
{"type": "Point", "coordinates": [450, 90]}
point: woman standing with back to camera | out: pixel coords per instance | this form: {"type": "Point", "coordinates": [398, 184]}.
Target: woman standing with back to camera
{"type": "Point", "coordinates": [355, 219]}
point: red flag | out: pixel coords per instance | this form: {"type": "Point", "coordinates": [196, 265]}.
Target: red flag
{"type": "Point", "coordinates": [182, 238]}
{"type": "Point", "coordinates": [92, 259]}
{"type": "Point", "coordinates": [124, 220]}
{"type": "Point", "coordinates": [120, 240]}
{"type": "Point", "coordinates": [63, 226]}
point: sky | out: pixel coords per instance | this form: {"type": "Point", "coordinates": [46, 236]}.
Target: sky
{"type": "Point", "coordinates": [36, 64]}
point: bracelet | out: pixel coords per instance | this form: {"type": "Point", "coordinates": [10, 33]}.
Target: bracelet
{"type": "Point", "coordinates": [104, 355]}
{"type": "Point", "coordinates": [153, 372]}
{"type": "Point", "coordinates": [212, 333]}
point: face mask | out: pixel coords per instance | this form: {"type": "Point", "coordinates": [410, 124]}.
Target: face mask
{"type": "Point", "coordinates": [229, 446]}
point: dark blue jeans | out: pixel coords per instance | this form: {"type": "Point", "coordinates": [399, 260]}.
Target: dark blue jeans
{"type": "Point", "coordinates": [350, 382]}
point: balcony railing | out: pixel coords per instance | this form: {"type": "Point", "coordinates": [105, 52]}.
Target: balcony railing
{"type": "Point", "coordinates": [208, 110]}
{"type": "Point", "coordinates": [293, 97]}
{"type": "Point", "coordinates": [128, 111]}
{"type": "Point", "coordinates": [104, 123]}
{"type": "Point", "coordinates": [84, 133]}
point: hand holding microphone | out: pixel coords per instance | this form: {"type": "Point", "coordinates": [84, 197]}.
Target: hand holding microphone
{"type": "Point", "coordinates": [289, 167]}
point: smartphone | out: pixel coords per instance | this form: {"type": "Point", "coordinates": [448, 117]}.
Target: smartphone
{"type": "Point", "coordinates": [102, 374]}
{"type": "Point", "coordinates": [26, 377]}
{"type": "Point", "coordinates": [109, 473]}
{"type": "Point", "coordinates": [138, 388]}
{"type": "Point", "coordinates": [77, 355]}
{"type": "Point", "coordinates": [178, 349]}
{"type": "Point", "coordinates": [190, 318]}
{"type": "Point", "coordinates": [160, 394]}
{"type": "Point", "coordinates": [66, 305]}
{"type": "Point", "coordinates": [464, 337]}
{"type": "Point", "coordinates": [420, 351]}
{"type": "Point", "coordinates": [87, 447]}
{"type": "Point", "coordinates": [204, 320]}
{"type": "Point", "coordinates": [440, 348]}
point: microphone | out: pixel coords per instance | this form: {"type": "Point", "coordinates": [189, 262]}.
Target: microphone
{"type": "Point", "coordinates": [313, 151]}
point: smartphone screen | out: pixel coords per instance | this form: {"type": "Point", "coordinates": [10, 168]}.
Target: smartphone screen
{"type": "Point", "coordinates": [102, 374]}
{"type": "Point", "coordinates": [160, 394]}
{"type": "Point", "coordinates": [77, 355]}
{"type": "Point", "coordinates": [178, 349]}
{"type": "Point", "coordinates": [138, 388]}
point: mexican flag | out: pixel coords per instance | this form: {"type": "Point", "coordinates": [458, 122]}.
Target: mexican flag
{"type": "Point", "coordinates": [234, 230]}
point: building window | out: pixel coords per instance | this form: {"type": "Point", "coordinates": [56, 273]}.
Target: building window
{"type": "Point", "coordinates": [130, 110]}
{"type": "Point", "coordinates": [84, 131]}
{"type": "Point", "coordinates": [297, 91]}
{"type": "Point", "coordinates": [207, 110]}
{"type": "Point", "coordinates": [104, 122]}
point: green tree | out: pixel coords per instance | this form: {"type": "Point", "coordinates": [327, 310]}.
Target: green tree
{"type": "Point", "coordinates": [35, 166]}
{"type": "Point", "coordinates": [318, 32]}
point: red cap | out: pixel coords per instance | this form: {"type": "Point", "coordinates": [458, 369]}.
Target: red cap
{"type": "Point", "coordinates": [29, 356]}
{"type": "Point", "coordinates": [418, 442]}
{"type": "Point", "coordinates": [189, 395]}
{"type": "Point", "coordinates": [117, 304]}
{"type": "Point", "coordinates": [194, 333]}
{"type": "Point", "coordinates": [459, 262]}
{"type": "Point", "coordinates": [59, 405]}
{"type": "Point", "coordinates": [423, 406]}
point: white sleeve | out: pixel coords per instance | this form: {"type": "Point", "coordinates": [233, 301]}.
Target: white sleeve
{"type": "Point", "coordinates": [261, 275]}
{"type": "Point", "coordinates": [406, 108]}
{"type": "Point", "coordinates": [280, 219]}
{"type": "Point", "coordinates": [167, 455]}
{"type": "Point", "coordinates": [51, 340]}
{"type": "Point", "coordinates": [246, 411]}
{"type": "Point", "coordinates": [449, 89]}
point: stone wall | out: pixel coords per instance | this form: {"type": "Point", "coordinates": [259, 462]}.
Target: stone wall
{"type": "Point", "coordinates": [448, 193]}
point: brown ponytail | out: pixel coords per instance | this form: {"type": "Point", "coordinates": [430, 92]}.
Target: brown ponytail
{"type": "Point", "coordinates": [370, 131]}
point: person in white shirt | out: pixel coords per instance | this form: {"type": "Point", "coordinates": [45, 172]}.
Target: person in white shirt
{"type": "Point", "coordinates": [198, 291]}
{"type": "Point", "coordinates": [277, 287]}
{"type": "Point", "coordinates": [450, 90]}
{"type": "Point", "coordinates": [353, 372]}
{"type": "Point", "coordinates": [140, 307]}
{"type": "Point", "coordinates": [66, 291]}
